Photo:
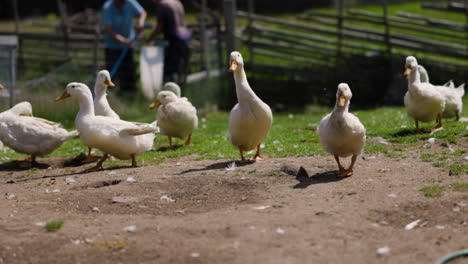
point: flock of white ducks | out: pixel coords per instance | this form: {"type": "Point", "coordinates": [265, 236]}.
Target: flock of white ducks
{"type": "Point", "coordinates": [426, 102]}
{"type": "Point", "coordinates": [99, 126]}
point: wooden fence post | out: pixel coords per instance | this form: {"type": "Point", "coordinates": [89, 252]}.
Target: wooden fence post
{"type": "Point", "coordinates": [65, 29]}
{"type": "Point", "coordinates": [387, 28]}
{"type": "Point", "coordinates": [97, 37]}
{"type": "Point", "coordinates": [250, 9]}
{"type": "Point", "coordinates": [340, 28]}
{"type": "Point", "coordinates": [204, 39]}
{"type": "Point", "coordinates": [230, 22]}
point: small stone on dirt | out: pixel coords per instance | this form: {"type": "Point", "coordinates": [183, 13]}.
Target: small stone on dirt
{"type": "Point", "coordinates": [243, 198]}
{"type": "Point", "coordinates": [280, 231]}
{"type": "Point", "coordinates": [130, 179]}
{"type": "Point", "coordinates": [70, 180]}
{"type": "Point", "coordinates": [392, 195]}
{"type": "Point", "coordinates": [131, 228]}
{"type": "Point", "coordinates": [95, 209]}
{"type": "Point", "coordinates": [10, 196]}
{"type": "Point", "coordinates": [383, 251]}
{"type": "Point", "coordinates": [166, 198]}
{"type": "Point", "coordinates": [440, 227]}
{"type": "Point", "coordinates": [261, 207]}
{"type": "Point", "coordinates": [412, 224]}
{"type": "Point", "coordinates": [195, 254]}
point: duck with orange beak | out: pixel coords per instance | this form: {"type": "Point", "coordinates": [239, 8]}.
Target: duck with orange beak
{"type": "Point", "coordinates": [101, 104]}
{"type": "Point", "coordinates": [341, 133]}
{"type": "Point", "coordinates": [250, 119]}
{"type": "Point", "coordinates": [423, 101]}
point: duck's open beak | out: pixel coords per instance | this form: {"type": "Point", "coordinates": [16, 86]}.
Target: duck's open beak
{"type": "Point", "coordinates": [63, 96]}
{"type": "Point", "coordinates": [1, 86]}
{"type": "Point", "coordinates": [108, 82]}
{"type": "Point", "coordinates": [407, 72]}
{"type": "Point", "coordinates": [233, 66]}
{"type": "Point", "coordinates": [155, 104]}
{"type": "Point", "coordinates": [341, 101]}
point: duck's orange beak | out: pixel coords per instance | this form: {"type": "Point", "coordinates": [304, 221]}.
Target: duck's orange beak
{"type": "Point", "coordinates": [108, 82]}
{"type": "Point", "coordinates": [233, 66]}
{"type": "Point", "coordinates": [63, 96]}
{"type": "Point", "coordinates": [407, 72]}
{"type": "Point", "coordinates": [155, 104]}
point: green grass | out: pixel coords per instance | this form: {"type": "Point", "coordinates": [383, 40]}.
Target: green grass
{"type": "Point", "coordinates": [460, 186]}
{"type": "Point", "coordinates": [53, 225]}
{"type": "Point", "coordinates": [292, 134]}
{"type": "Point", "coordinates": [432, 191]}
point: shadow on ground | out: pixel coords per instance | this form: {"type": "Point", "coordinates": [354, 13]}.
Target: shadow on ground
{"type": "Point", "coordinates": [218, 166]}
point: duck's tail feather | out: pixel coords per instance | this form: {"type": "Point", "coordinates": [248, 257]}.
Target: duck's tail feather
{"type": "Point", "coordinates": [140, 130]}
{"type": "Point", "coordinates": [72, 134]}
{"type": "Point", "coordinates": [461, 90]}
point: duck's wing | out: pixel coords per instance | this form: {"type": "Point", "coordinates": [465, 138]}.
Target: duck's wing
{"type": "Point", "coordinates": [45, 121]}
{"type": "Point", "coordinates": [140, 130]}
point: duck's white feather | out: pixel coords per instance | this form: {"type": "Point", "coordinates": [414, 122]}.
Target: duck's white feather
{"type": "Point", "coordinates": [31, 135]}
{"type": "Point", "coordinates": [250, 120]}
{"type": "Point", "coordinates": [423, 101]}
{"type": "Point", "coordinates": [177, 118]}
{"type": "Point", "coordinates": [452, 95]}
{"type": "Point", "coordinates": [101, 104]}
{"type": "Point", "coordinates": [116, 137]}
{"type": "Point", "coordinates": [342, 133]}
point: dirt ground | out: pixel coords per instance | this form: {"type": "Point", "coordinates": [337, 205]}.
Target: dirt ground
{"type": "Point", "coordinates": [187, 211]}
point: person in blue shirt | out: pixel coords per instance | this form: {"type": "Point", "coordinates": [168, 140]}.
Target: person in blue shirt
{"type": "Point", "coordinates": [117, 20]}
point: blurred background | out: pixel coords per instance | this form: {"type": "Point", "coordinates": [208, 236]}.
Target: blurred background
{"type": "Point", "coordinates": [296, 52]}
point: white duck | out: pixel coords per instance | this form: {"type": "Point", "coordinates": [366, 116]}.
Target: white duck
{"type": "Point", "coordinates": [341, 133]}
{"type": "Point", "coordinates": [453, 96]}
{"type": "Point", "coordinates": [173, 87]}
{"type": "Point", "coordinates": [101, 105]}
{"type": "Point", "coordinates": [423, 101]}
{"type": "Point", "coordinates": [121, 139]}
{"type": "Point", "coordinates": [30, 135]}
{"type": "Point", "coordinates": [177, 117]}
{"type": "Point", "coordinates": [250, 120]}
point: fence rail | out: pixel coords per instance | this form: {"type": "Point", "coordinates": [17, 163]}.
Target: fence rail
{"type": "Point", "coordinates": [84, 45]}
{"type": "Point", "coordinates": [330, 34]}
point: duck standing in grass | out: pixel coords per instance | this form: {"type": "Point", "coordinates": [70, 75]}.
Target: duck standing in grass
{"type": "Point", "coordinates": [121, 139]}
{"type": "Point", "coordinates": [176, 117]}
{"type": "Point", "coordinates": [453, 96]}
{"type": "Point", "coordinates": [423, 101]}
{"type": "Point", "coordinates": [30, 135]}
{"type": "Point", "coordinates": [101, 104]}
{"type": "Point", "coordinates": [341, 133]}
{"type": "Point", "coordinates": [250, 119]}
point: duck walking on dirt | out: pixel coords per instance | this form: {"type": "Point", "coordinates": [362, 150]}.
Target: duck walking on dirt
{"type": "Point", "coordinates": [121, 139]}
{"type": "Point", "coordinates": [341, 133]}
{"type": "Point", "coordinates": [250, 119]}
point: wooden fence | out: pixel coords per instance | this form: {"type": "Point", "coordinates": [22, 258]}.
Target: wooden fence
{"type": "Point", "coordinates": [40, 53]}
{"type": "Point", "coordinates": [318, 49]}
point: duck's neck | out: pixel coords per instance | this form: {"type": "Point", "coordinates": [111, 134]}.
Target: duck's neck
{"type": "Point", "coordinates": [341, 110]}
{"type": "Point", "coordinates": [100, 91]}
{"type": "Point", "coordinates": [243, 91]}
{"type": "Point", "coordinates": [414, 78]}
{"type": "Point", "coordinates": [86, 105]}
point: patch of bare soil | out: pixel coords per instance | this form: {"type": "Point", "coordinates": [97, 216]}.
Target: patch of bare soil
{"type": "Point", "coordinates": [186, 211]}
